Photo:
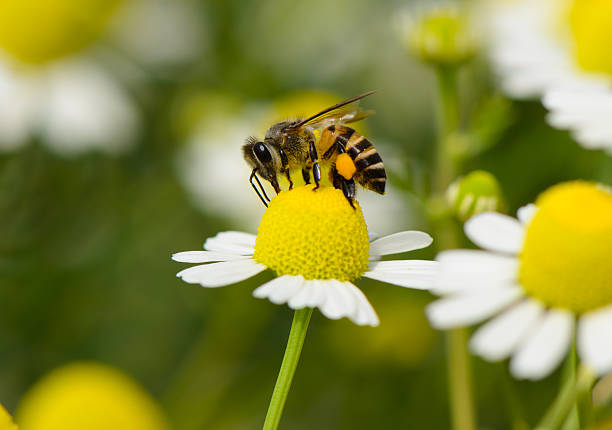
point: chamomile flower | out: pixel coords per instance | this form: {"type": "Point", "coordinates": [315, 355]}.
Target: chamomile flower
{"type": "Point", "coordinates": [318, 245]}
{"type": "Point", "coordinates": [59, 78]}
{"type": "Point", "coordinates": [536, 277]}
{"type": "Point", "coordinates": [558, 50]}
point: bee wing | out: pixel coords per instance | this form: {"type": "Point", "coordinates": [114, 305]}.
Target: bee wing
{"type": "Point", "coordinates": [340, 112]}
{"type": "Point", "coordinates": [340, 116]}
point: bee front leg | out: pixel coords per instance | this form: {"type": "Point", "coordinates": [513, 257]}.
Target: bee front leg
{"type": "Point", "coordinates": [316, 169]}
{"type": "Point", "coordinates": [306, 175]}
{"type": "Point", "coordinates": [288, 176]}
{"type": "Point", "coordinates": [285, 163]}
{"type": "Point", "coordinates": [274, 183]}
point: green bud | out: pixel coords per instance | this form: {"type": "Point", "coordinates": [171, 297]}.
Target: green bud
{"type": "Point", "coordinates": [476, 192]}
{"type": "Point", "coordinates": [442, 35]}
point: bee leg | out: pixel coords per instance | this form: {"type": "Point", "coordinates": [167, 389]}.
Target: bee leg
{"type": "Point", "coordinates": [285, 163]}
{"type": "Point", "coordinates": [306, 175]}
{"type": "Point", "coordinates": [316, 169]}
{"type": "Point", "coordinates": [346, 185]}
{"type": "Point", "coordinates": [274, 183]}
{"type": "Point", "coordinates": [288, 176]}
{"type": "Point", "coordinates": [261, 188]}
{"type": "Point", "coordinates": [348, 188]}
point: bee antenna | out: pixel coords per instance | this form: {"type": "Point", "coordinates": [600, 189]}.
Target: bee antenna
{"type": "Point", "coordinates": [257, 191]}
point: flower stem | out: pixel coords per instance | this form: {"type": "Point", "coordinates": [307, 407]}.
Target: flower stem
{"type": "Point", "coordinates": [563, 405]}
{"type": "Point", "coordinates": [299, 327]}
{"type": "Point", "coordinates": [445, 169]}
{"type": "Point", "coordinates": [460, 380]}
{"type": "Point", "coordinates": [458, 359]}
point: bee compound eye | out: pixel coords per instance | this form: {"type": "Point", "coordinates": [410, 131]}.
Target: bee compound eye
{"type": "Point", "coordinates": [262, 152]}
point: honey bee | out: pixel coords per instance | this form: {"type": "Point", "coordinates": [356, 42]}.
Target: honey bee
{"type": "Point", "coordinates": [292, 144]}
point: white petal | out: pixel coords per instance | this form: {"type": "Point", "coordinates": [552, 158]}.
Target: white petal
{"type": "Point", "coordinates": [418, 274]}
{"type": "Point", "coordinates": [280, 290]}
{"type": "Point", "coordinates": [339, 303]}
{"type": "Point", "coordinates": [594, 340]}
{"type": "Point", "coordinates": [526, 213]}
{"type": "Point", "coordinates": [495, 232]}
{"type": "Point", "coordinates": [232, 242]}
{"type": "Point", "coordinates": [203, 257]}
{"type": "Point", "coordinates": [221, 274]}
{"type": "Point", "coordinates": [364, 314]}
{"type": "Point", "coordinates": [462, 270]}
{"type": "Point", "coordinates": [403, 241]}
{"type": "Point", "coordinates": [498, 338]}
{"type": "Point", "coordinates": [466, 309]}
{"type": "Point", "coordinates": [545, 347]}
{"type": "Point", "coordinates": [316, 296]}
{"type": "Point", "coordinates": [311, 294]}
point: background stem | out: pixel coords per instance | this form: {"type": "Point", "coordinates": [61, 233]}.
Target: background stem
{"type": "Point", "coordinates": [460, 380]}
{"type": "Point", "coordinates": [299, 327]}
{"type": "Point", "coordinates": [447, 232]}
{"type": "Point", "coordinates": [565, 401]}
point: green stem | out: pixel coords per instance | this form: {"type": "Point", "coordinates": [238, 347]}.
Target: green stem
{"type": "Point", "coordinates": [458, 359]}
{"type": "Point", "coordinates": [299, 327]}
{"type": "Point", "coordinates": [460, 380]}
{"type": "Point", "coordinates": [572, 421]}
{"type": "Point", "coordinates": [565, 402]}
{"type": "Point", "coordinates": [448, 125]}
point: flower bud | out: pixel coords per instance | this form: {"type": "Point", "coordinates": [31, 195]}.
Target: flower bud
{"type": "Point", "coordinates": [441, 35]}
{"type": "Point", "coordinates": [476, 192]}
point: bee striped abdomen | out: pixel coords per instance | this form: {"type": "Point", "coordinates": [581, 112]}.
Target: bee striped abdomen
{"type": "Point", "coordinates": [370, 170]}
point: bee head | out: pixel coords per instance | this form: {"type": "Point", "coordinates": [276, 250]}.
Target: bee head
{"type": "Point", "coordinates": [261, 156]}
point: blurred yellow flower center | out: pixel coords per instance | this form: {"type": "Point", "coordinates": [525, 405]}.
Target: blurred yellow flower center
{"type": "Point", "coordinates": [567, 254]}
{"type": "Point", "coordinates": [316, 234]}
{"type": "Point", "coordinates": [6, 422]}
{"type": "Point", "coordinates": [88, 396]}
{"type": "Point", "coordinates": [590, 22]}
{"type": "Point", "coordinates": [36, 31]}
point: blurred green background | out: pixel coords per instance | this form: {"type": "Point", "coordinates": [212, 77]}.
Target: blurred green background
{"type": "Point", "coordinates": [86, 239]}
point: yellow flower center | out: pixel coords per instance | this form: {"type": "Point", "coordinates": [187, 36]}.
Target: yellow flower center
{"type": "Point", "coordinates": [567, 253]}
{"type": "Point", "coordinates": [590, 23]}
{"type": "Point", "coordinates": [89, 396]}
{"type": "Point", "coordinates": [6, 422]}
{"type": "Point", "coordinates": [36, 31]}
{"type": "Point", "coordinates": [316, 234]}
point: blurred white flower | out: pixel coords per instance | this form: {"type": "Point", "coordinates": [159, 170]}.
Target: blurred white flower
{"type": "Point", "coordinates": [536, 276]}
{"type": "Point", "coordinates": [54, 82]}
{"type": "Point", "coordinates": [160, 33]}
{"type": "Point", "coordinates": [212, 168]}
{"type": "Point", "coordinates": [557, 50]}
